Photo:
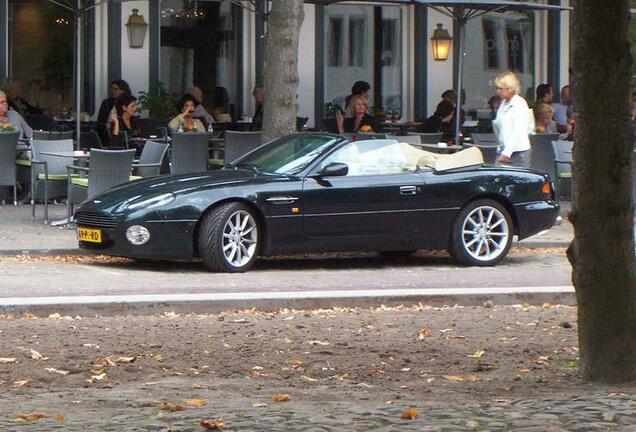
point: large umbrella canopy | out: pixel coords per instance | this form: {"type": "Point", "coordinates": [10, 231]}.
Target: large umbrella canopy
{"type": "Point", "coordinates": [79, 8]}
{"type": "Point", "coordinates": [462, 11]}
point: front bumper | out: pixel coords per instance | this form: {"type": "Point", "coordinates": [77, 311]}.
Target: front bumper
{"type": "Point", "coordinates": [535, 217]}
{"type": "Point", "coordinates": [169, 239]}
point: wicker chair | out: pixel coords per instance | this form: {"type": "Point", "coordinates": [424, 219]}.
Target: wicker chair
{"type": "Point", "coordinates": [149, 163]}
{"type": "Point", "coordinates": [562, 156]}
{"type": "Point", "coordinates": [189, 152]}
{"type": "Point", "coordinates": [238, 144]}
{"type": "Point", "coordinates": [429, 138]}
{"type": "Point", "coordinates": [44, 135]}
{"type": "Point", "coordinates": [542, 155]}
{"type": "Point", "coordinates": [48, 173]}
{"type": "Point", "coordinates": [8, 153]}
{"type": "Point", "coordinates": [106, 169]}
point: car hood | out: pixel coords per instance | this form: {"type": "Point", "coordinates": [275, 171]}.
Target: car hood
{"type": "Point", "coordinates": [180, 185]}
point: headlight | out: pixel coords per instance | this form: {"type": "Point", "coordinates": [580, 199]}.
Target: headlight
{"type": "Point", "coordinates": [137, 235]}
{"type": "Point", "coordinates": [157, 201]}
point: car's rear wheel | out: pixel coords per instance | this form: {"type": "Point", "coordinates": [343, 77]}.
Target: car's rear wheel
{"type": "Point", "coordinates": [482, 234]}
{"type": "Point", "coordinates": [228, 238]}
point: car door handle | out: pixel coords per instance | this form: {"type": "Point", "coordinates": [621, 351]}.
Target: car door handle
{"type": "Point", "coordinates": [408, 190]}
{"type": "Point", "coordinates": [282, 199]}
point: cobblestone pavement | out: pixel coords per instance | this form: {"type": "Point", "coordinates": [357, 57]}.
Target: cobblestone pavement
{"type": "Point", "coordinates": [112, 411]}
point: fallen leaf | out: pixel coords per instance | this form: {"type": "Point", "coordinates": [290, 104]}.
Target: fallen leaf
{"type": "Point", "coordinates": [99, 377]}
{"type": "Point", "coordinates": [7, 360]}
{"type": "Point", "coordinates": [239, 321]}
{"type": "Point", "coordinates": [293, 363]}
{"type": "Point", "coordinates": [431, 380]}
{"type": "Point", "coordinates": [167, 406]}
{"type": "Point", "coordinates": [423, 334]}
{"type": "Point", "coordinates": [288, 340]}
{"type": "Point", "coordinates": [307, 378]}
{"type": "Point", "coordinates": [278, 397]}
{"type": "Point", "coordinates": [196, 403]}
{"type": "Point", "coordinates": [37, 356]}
{"type": "Point", "coordinates": [453, 378]}
{"type": "Point", "coordinates": [58, 371]}
{"type": "Point", "coordinates": [547, 305]}
{"type": "Point", "coordinates": [31, 416]}
{"type": "Point", "coordinates": [23, 383]}
{"type": "Point", "coordinates": [104, 361]}
{"type": "Point", "coordinates": [409, 414]}
{"type": "Point", "coordinates": [197, 386]}
{"type": "Point", "coordinates": [477, 354]}
{"type": "Point", "coordinates": [317, 342]}
{"type": "Point", "coordinates": [125, 359]}
{"type": "Point", "coordinates": [212, 424]}
{"type": "Point", "coordinates": [58, 418]}
{"type": "Point", "coordinates": [260, 405]}
{"type": "Point", "coordinates": [55, 316]}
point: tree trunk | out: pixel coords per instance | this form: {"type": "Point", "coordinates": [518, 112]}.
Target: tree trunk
{"type": "Point", "coordinates": [281, 68]}
{"type": "Point", "coordinates": [602, 252]}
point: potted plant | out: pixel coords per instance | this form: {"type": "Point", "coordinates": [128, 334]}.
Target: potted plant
{"type": "Point", "coordinates": [158, 102]}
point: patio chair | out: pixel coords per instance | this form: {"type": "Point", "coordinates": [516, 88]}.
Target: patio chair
{"type": "Point", "coordinates": [300, 123]}
{"type": "Point", "coordinates": [153, 129]}
{"type": "Point", "coordinates": [50, 135]}
{"type": "Point", "coordinates": [40, 122]}
{"type": "Point", "coordinates": [562, 153]}
{"type": "Point", "coordinates": [189, 152]}
{"type": "Point", "coordinates": [48, 173]}
{"type": "Point", "coordinates": [542, 155]}
{"type": "Point", "coordinates": [90, 140]}
{"type": "Point", "coordinates": [428, 138]}
{"type": "Point", "coordinates": [238, 144]}
{"type": "Point", "coordinates": [487, 143]}
{"type": "Point", "coordinates": [106, 169]}
{"type": "Point", "coordinates": [149, 163]}
{"type": "Point", "coordinates": [8, 153]}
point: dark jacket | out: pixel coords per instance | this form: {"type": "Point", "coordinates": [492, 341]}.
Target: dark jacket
{"type": "Point", "coordinates": [349, 123]}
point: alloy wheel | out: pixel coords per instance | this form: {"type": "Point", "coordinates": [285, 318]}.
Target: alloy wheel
{"type": "Point", "coordinates": [240, 236]}
{"type": "Point", "coordinates": [485, 233]}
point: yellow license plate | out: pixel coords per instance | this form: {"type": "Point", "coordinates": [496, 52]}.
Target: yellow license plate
{"type": "Point", "coordinates": [89, 235]}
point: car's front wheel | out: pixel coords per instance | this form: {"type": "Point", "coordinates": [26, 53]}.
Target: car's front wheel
{"type": "Point", "coordinates": [229, 238]}
{"type": "Point", "coordinates": [482, 234]}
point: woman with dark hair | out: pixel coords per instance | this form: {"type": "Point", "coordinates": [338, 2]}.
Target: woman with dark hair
{"type": "Point", "coordinates": [440, 120]}
{"type": "Point", "coordinates": [118, 88]}
{"type": "Point", "coordinates": [221, 109]}
{"type": "Point", "coordinates": [184, 121]}
{"type": "Point", "coordinates": [126, 122]}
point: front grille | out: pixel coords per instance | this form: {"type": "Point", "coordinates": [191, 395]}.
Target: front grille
{"type": "Point", "coordinates": [96, 219]}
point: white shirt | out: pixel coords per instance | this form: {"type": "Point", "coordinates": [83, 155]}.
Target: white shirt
{"type": "Point", "coordinates": [512, 126]}
{"type": "Point", "coordinates": [560, 113]}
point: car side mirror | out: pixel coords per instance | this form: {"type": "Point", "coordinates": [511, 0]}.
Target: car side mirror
{"type": "Point", "coordinates": [334, 169]}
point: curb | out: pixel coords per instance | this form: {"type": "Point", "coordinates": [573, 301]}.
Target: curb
{"type": "Point", "coordinates": [78, 251]}
{"type": "Point", "coordinates": [272, 301]}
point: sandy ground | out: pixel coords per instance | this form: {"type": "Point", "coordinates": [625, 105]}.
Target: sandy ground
{"type": "Point", "coordinates": [238, 360]}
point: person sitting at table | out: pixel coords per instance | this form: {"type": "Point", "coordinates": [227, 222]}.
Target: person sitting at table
{"type": "Point", "coordinates": [543, 119]}
{"type": "Point", "coordinates": [361, 88]}
{"type": "Point", "coordinates": [118, 88]}
{"type": "Point", "coordinates": [259, 101]}
{"type": "Point", "coordinates": [359, 121]}
{"type": "Point", "coordinates": [13, 89]}
{"type": "Point", "coordinates": [11, 117]}
{"type": "Point", "coordinates": [185, 121]}
{"type": "Point", "coordinates": [199, 109]}
{"type": "Point", "coordinates": [126, 122]}
{"type": "Point", "coordinates": [441, 118]}
{"type": "Point", "coordinates": [221, 109]}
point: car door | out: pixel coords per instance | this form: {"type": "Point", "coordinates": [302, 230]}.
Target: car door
{"type": "Point", "coordinates": [378, 203]}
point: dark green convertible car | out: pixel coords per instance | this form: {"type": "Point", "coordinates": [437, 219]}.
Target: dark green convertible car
{"type": "Point", "coordinates": [315, 192]}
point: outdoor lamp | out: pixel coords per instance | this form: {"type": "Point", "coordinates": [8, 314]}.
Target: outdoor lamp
{"type": "Point", "coordinates": [137, 28]}
{"type": "Point", "coordinates": [441, 41]}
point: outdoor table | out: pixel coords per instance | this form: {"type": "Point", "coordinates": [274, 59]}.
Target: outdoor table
{"type": "Point", "coordinates": [402, 128]}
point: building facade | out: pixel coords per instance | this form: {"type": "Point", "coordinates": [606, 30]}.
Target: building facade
{"type": "Point", "coordinates": [218, 46]}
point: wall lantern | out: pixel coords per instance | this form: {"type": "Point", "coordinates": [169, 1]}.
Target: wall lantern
{"type": "Point", "coordinates": [137, 28]}
{"type": "Point", "coordinates": [441, 41]}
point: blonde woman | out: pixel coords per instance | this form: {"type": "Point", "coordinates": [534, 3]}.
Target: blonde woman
{"type": "Point", "coordinates": [359, 121]}
{"type": "Point", "coordinates": [513, 123]}
{"type": "Point", "coordinates": [543, 119]}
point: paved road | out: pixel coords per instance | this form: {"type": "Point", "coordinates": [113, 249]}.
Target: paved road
{"type": "Point", "coordinates": [42, 278]}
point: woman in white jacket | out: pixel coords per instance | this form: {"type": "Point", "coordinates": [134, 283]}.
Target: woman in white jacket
{"type": "Point", "coordinates": [512, 124]}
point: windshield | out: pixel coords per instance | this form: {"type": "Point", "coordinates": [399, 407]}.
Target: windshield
{"type": "Point", "coordinates": [288, 155]}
